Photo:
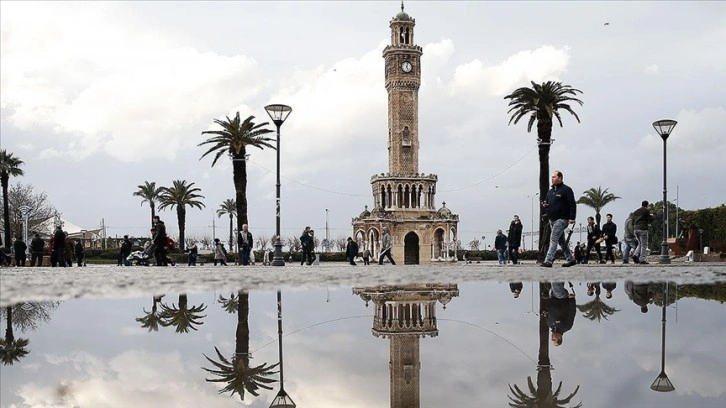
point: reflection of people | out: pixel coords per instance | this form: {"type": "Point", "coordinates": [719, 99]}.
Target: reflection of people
{"type": "Point", "coordinates": [561, 312]}
{"type": "Point", "coordinates": [640, 293]}
{"type": "Point", "coordinates": [516, 288]}
{"type": "Point", "coordinates": [561, 211]}
{"type": "Point", "coordinates": [609, 288]}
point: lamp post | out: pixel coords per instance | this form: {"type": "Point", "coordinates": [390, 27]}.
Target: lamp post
{"type": "Point", "coordinates": [278, 113]}
{"type": "Point", "coordinates": [532, 221]}
{"type": "Point", "coordinates": [25, 212]}
{"type": "Point", "coordinates": [327, 233]}
{"type": "Point", "coordinates": [664, 128]}
{"type": "Point", "coordinates": [282, 400]}
{"type": "Point", "coordinates": [700, 240]}
{"type": "Point", "coordinates": [662, 383]}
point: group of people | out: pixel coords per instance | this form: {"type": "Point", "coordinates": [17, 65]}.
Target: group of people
{"type": "Point", "coordinates": [63, 250]}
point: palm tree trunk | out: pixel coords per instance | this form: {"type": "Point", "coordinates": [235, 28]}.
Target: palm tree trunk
{"type": "Point", "coordinates": [9, 336]}
{"type": "Point", "coordinates": [153, 212]}
{"type": "Point", "coordinates": [544, 374]}
{"type": "Point", "coordinates": [597, 218]}
{"type": "Point", "coordinates": [6, 208]}
{"type": "Point", "coordinates": [181, 216]}
{"type": "Point", "coordinates": [239, 173]}
{"type": "Point", "coordinates": [242, 336]}
{"type": "Point", "coordinates": [230, 232]}
{"type": "Point", "coordinates": [544, 133]}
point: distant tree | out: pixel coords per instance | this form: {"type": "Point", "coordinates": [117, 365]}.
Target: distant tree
{"type": "Point", "coordinates": [474, 245]}
{"type": "Point", "coordinates": [340, 243]}
{"type": "Point", "coordinates": [597, 198]}
{"type": "Point", "coordinates": [180, 195]}
{"type": "Point", "coordinates": [23, 195]}
{"type": "Point", "coordinates": [228, 207]}
{"type": "Point", "coordinates": [150, 194]}
{"type": "Point", "coordinates": [234, 138]}
{"type": "Point", "coordinates": [541, 102]}
{"type": "Point", "coordinates": [262, 241]}
{"type": "Point", "coordinates": [9, 167]}
{"type": "Point", "coordinates": [293, 244]}
{"type": "Point", "coordinates": [152, 319]}
{"type": "Point", "coordinates": [230, 304]}
{"type": "Point", "coordinates": [12, 349]}
{"type": "Point", "coordinates": [182, 317]}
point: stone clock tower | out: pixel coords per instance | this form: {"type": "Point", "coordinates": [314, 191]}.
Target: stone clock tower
{"type": "Point", "coordinates": [404, 198]}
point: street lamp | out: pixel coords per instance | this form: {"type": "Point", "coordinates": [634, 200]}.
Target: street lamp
{"type": "Point", "coordinates": [532, 221]}
{"type": "Point", "coordinates": [700, 240]}
{"type": "Point", "coordinates": [327, 233]}
{"type": "Point", "coordinates": [278, 113]}
{"type": "Point", "coordinates": [662, 383]}
{"type": "Point", "coordinates": [664, 128]}
{"type": "Point", "coordinates": [282, 400]}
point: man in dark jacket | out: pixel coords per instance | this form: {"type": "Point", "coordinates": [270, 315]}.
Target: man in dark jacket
{"type": "Point", "coordinates": [561, 210]}
{"type": "Point", "coordinates": [351, 250]}
{"type": "Point", "coordinates": [561, 311]}
{"type": "Point", "coordinates": [515, 239]}
{"type": "Point", "coordinates": [609, 229]}
{"type": "Point", "coordinates": [641, 221]}
{"type": "Point", "coordinates": [37, 248]}
{"type": "Point", "coordinates": [159, 241]}
{"type": "Point", "coordinates": [19, 247]}
{"type": "Point", "coordinates": [59, 248]}
{"type": "Point", "coordinates": [500, 245]}
{"type": "Point", "coordinates": [244, 240]}
{"type": "Point", "coordinates": [306, 242]}
{"type": "Point", "coordinates": [593, 236]}
{"type": "Point", "coordinates": [124, 252]}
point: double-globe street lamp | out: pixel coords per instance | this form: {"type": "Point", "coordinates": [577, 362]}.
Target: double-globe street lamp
{"type": "Point", "coordinates": [278, 113]}
{"type": "Point", "coordinates": [664, 128]}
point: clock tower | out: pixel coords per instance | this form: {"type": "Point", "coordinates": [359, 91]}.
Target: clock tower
{"type": "Point", "coordinates": [404, 199]}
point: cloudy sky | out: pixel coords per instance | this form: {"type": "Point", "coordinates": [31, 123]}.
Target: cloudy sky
{"type": "Point", "coordinates": [98, 98]}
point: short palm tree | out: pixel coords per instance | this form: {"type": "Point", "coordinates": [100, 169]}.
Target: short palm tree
{"type": "Point", "coordinates": [180, 195]}
{"type": "Point", "coordinates": [182, 317]}
{"type": "Point", "coordinates": [596, 309]}
{"type": "Point", "coordinates": [151, 320]}
{"type": "Point", "coordinates": [597, 198]}
{"type": "Point", "coordinates": [12, 349]}
{"type": "Point", "coordinates": [9, 166]}
{"type": "Point", "coordinates": [541, 102]}
{"type": "Point", "coordinates": [234, 138]}
{"type": "Point", "coordinates": [236, 372]}
{"type": "Point", "coordinates": [228, 207]}
{"type": "Point", "coordinates": [150, 193]}
{"type": "Point", "coordinates": [230, 304]}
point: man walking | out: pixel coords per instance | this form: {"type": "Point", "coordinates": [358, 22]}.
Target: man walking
{"type": "Point", "coordinates": [561, 210]}
{"type": "Point", "coordinates": [629, 238]}
{"type": "Point", "coordinates": [159, 241]}
{"type": "Point", "coordinates": [37, 248]}
{"type": "Point", "coordinates": [641, 220]}
{"type": "Point", "coordinates": [515, 239]}
{"type": "Point", "coordinates": [609, 229]}
{"type": "Point", "coordinates": [386, 246]}
{"type": "Point", "coordinates": [351, 250]}
{"type": "Point", "coordinates": [500, 245]}
{"type": "Point", "coordinates": [593, 236]}
{"type": "Point", "coordinates": [19, 247]}
{"type": "Point", "coordinates": [244, 240]}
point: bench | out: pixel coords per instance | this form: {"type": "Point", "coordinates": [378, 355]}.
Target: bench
{"type": "Point", "coordinates": [476, 259]}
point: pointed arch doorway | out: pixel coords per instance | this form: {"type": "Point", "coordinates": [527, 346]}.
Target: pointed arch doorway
{"type": "Point", "coordinates": [410, 249]}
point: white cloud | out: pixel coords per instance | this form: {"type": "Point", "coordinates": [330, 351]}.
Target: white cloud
{"type": "Point", "coordinates": [651, 69]}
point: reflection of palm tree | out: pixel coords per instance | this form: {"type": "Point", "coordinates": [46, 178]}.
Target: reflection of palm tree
{"type": "Point", "coordinates": [237, 373]}
{"type": "Point", "coordinates": [596, 309]}
{"type": "Point", "coordinates": [152, 319]}
{"type": "Point", "coordinates": [12, 349]}
{"type": "Point", "coordinates": [183, 317]}
{"type": "Point", "coordinates": [231, 304]}
{"type": "Point", "coordinates": [541, 396]}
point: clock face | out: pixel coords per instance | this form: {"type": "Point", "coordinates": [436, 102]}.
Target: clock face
{"type": "Point", "coordinates": [406, 66]}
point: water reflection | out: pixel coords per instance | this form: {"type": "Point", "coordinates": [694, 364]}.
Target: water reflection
{"type": "Point", "coordinates": [446, 344]}
{"type": "Point", "coordinates": [26, 316]}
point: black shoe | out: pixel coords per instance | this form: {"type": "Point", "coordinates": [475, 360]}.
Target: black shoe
{"type": "Point", "coordinates": [569, 263]}
{"type": "Point", "coordinates": [643, 262]}
{"type": "Point", "coordinates": [546, 264]}
{"type": "Point", "coordinates": [635, 259]}
{"type": "Point", "coordinates": [602, 262]}
{"type": "Point", "coordinates": [626, 261]}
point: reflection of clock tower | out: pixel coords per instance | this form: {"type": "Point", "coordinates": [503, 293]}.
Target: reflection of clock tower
{"type": "Point", "coordinates": [403, 198]}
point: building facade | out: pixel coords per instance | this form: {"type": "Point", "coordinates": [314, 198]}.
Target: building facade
{"type": "Point", "coordinates": [404, 199]}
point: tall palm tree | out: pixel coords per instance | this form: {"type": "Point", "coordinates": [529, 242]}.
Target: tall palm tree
{"type": "Point", "coordinates": [180, 195]}
{"type": "Point", "coordinates": [541, 102]}
{"type": "Point", "coordinates": [596, 309]}
{"type": "Point", "coordinates": [230, 304]}
{"type": "Point", "coordinates": [234, 138]}
{"type": "Point", "coordinates": [182, 317]}
{"type": "Point", "coordinates": [151, 320]}
{"type": "Point", "coordinates": [597, 198]}
{"type": "Point", "coordinates": [12, 349]}
{"type": "Point", "coordinates": [9, 166]}
{"type": "Point", "coordinates": [150, 193]}
{"type": "Point", "coordinates": [236, 372]}
{"type": "Point", "coordinates": [228, 207]}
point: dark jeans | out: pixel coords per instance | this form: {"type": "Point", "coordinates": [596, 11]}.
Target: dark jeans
{"type": "Point", "coordinates": [60, 257]}
{"type": "Point", "coordinates": [609, 252]}
{"type": "Point", "coordinates": [307, 257]}
{"type": "Point", "coordinates": [386, 253]}
{"type": "Point", "coordinates": [514, 254]}
{"type": "Point", "coordinates": [590, 246]}
{"type": "Point", "coordinates": [160, 255]}
{"type": "Point", "coordinates": [36, 258]}
{"type": "Point", "coordinates": [20, 260]}
{"type": "Point", "coordinates": [244, 256]}
{"type": "Point", "coordinates": [192, 260]}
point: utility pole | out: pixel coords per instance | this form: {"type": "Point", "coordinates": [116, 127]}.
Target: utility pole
{"type": "Point", "coordinates": [327, 232]}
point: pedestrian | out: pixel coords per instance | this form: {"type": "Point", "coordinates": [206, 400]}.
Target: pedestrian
{"type": "Point", "coordinates": [79, 253]}
{"type": "Point", "coordinates": [500, 244]}
{"type": "Point", "coordinates": [515, 239]}
{"type": "Point", "coordinates": [19, 248]}
{"type": "Point", "coordinates": [69, 250]}
{"type": "Point", "coordinates": [351, 250]}
{"type": "Point", "coordinates": [641, 221]}
{"type": "Point", "coordinates": [593, 240]}
{"type": "Point", "coordinates": [124, 252]}
{"type": "Point", "coordinates": [609, 288]}
{"type": "Point", "coordinates": [244, 240]}
{"type": "Point", "coordinates": [609, 231]}
{"type": "Point", "coordinates": [193, 253]}
{"type": "Point", "coordinates": [220, 253]}
{"type": "Point", "coordinates": [577, 251]}
{"type": "Point", "coordinates": [306, 243]}
{"type": "Point", "coordinates": [59, 248]}
{"type": "Point", "coordinates": [37, 248]}
{"type": "Point", "coordinates": [367, 257]}
{"type": "Point", "coordinates": [641, 294]}
{"type": "Point", "coordinates": [159, 241]}
{"type": "Point", "coordinates": [386, 247]}
{"type": "Point", "coordinates": [561, 311]}
{"type": "Point", "coordinates": [629, 238]}
{"type": "Point", "coordinates": [516, 288]}
{"type": "Point", "coordinates": [561, 211]}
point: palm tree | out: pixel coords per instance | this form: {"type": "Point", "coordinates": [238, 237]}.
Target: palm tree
{"type": "Point", "coordinates": [180, 195]}
{"type": "Point", "coordinates": [597, 198]}
{"type": "Point", "coordinates": [228, 207]}
{"type": "Point", "coordinates": [233, 139]}
{"type": "Point", "coordinates": [9, 166]}
{"type": "Point", "coordinates": [236, 372]}
{"type": "Point", "coordinates": [542, 102]}
{"type": "Point", "coordinates": [152, 319]}
{"type": "Point", "coordinates": [231, 304]}
{"type": "Point", "coordinates": [150, 193]}
{"type": "Point", "coordinates": [182, 317]}
{"type": "Point", "coordinates": [12, 349]}
{"type": "Point", "coordinates": [596, 309]}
